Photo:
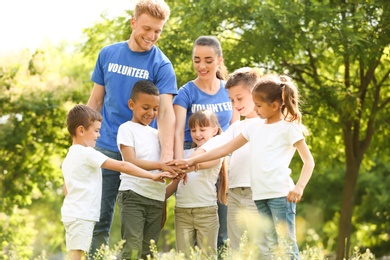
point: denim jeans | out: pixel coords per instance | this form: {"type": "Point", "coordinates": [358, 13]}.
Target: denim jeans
{"type": "Point", "coordinates": [222, 216]}
{"type": "Point", "coordinates": [281, 228]}
{"type": "Point", "coordinates": [111, 182]}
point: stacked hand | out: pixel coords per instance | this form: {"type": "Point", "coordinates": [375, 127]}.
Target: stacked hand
{"type": "Point", "coordinates": [172, 171]}
{"type": "Point", "coordinates": [182, 167]}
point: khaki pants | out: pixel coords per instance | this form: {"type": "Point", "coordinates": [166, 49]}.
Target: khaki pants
{"type": "Point", "coordinates": [243, 216]}
{"type": "Point", "coordinates": [197, 226]}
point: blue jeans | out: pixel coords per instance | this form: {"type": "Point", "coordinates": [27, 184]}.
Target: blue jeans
{"type": "Point", "coordinates": [280, 216]}
{"type": "Point", "coordinates": [222, 216]}
{"type": "Point", "coordinates": [111, 182]}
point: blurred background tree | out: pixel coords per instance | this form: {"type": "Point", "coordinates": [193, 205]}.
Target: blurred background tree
{"type": "Point", "coordinates": [36, 91]}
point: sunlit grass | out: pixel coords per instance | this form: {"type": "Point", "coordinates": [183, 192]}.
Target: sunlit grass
{"type": "Point", "coordinates": [245, 252]}
{"type": "Point", "coordinates": [312, 249]}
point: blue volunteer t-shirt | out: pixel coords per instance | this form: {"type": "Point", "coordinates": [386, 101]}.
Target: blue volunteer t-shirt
{"type": "Point", "coordinates": [193, 99]}
{"type": "Point", "coordinates": [117, 69]}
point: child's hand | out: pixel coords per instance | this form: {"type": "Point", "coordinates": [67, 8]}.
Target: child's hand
{"type": "Point", "coordinates": [176, 170]}
{"type": "Point", "coordinates": [185, 179]}
{"type": "Point", "coordinates": [173, 170]}
{"type": "Point", "coordinates": [182, 177]}
{"type": "Point", "coordinates": [160, 177]}
{"type": "Point", "coordinates": [170, 175]}
{"type": "Point", "coordinates": [295, 195]}
{"type": "Point", "coordinates": [182, 163]}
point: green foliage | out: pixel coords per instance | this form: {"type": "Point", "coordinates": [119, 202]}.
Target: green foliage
{"type": "Point", "coordinates": [47, 221]}
{"type": "Point", "coordinates": [35, 93]}
{"type": "Point", "coordinates": [373, 205]}
{"type": "Point", "coordinates": [104, 32]}
{"type": "Point", "coordinates": [17, 234]}
{"type": "Point", "coordinates": [106, 252]}
{"type": "Point", "coordinates": [167, 235]}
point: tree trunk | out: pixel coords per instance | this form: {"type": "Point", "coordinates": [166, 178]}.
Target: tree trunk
{"type": "Point", "coordinates": [348, 202]}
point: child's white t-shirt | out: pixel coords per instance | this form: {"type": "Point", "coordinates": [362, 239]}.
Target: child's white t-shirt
{"type": "Point", "coordinates": [200, 190]}
{"type": "Point", "coordinates": [239, 161]}
{"type": "Point", "coordinates": [144, 140]}
{"type": "Point", "coordinates": [272, 148]}
{"type": "Point", "coordinates": [81, 169]}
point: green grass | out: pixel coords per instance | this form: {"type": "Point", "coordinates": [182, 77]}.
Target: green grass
{"type": "Point", "coordinates": [245, 252]}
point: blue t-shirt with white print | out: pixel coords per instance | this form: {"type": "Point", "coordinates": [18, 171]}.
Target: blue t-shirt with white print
{"type": "Point", "coordinates": [193, 99]}
{"type": "Point", "coordinates": [117, 69]}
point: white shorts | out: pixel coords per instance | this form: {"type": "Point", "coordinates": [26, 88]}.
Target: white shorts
{"type": "Point", "coordinates": [78, 234]}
